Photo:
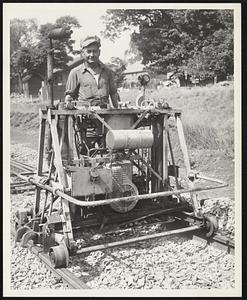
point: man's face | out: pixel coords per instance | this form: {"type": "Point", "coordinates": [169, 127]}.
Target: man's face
{"type": "Point", "coordinates": [91, 53]}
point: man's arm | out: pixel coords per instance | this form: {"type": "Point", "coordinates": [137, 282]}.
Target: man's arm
{"type": "Point", "coordinates": [72, 85]}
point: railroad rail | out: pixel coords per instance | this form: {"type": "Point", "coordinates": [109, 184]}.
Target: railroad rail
{"type": "Point", "coordinates": [20, 185]}
{"type": "Point", "coordinates": [218, 241]}
{"type": "Point", "coordinates": [20, 166]}
{"type": "Point", "coordinates": [67, 277]}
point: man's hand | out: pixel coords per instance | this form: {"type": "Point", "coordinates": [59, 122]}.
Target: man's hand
{"type": "Point", "coordinates": [68, 102]}
{"type": "Point", "coordinates": [68, 98]}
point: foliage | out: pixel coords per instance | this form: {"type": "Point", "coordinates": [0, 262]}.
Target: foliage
{"type": "Point", "coordinates": [199, 42]}
{"type": "Point", "coordinates": [132, 54]}
{"type": "Point", "coordinates": [29, 45]}
{"type": "Point", "coordinates": [23, 33]}
{"type": "Point", "coordinates": [118, 66]}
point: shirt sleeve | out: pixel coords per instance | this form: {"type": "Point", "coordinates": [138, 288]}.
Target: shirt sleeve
{"type": "Point", "coordinates": [72, 85]}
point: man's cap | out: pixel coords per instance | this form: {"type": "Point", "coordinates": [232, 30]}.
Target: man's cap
{"type": "Point", "coordinates": [90, 40]}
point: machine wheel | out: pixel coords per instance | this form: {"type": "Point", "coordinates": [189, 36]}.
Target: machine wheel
{"type": "Point", "coordinates": [128, 189]}
{"type": "Point", "coordinates": [20, 232]}
{"type": "Point", "coordinates": [59, 256]}
{"type": "Point", "coordinates": [139, 99]}
{"type": "Point", "coordinates": [30, 235]}
{"type": "Point", "coordinates": [211, 225]}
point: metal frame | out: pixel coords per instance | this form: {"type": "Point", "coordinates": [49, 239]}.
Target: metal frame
{"type": "Point", "coordinates": [58, 186]}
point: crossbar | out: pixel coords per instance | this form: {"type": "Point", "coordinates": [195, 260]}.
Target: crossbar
{"type": "Point", "coordinates": [136, 240]}
{"type": "Point", "coordinates": [115, 200]}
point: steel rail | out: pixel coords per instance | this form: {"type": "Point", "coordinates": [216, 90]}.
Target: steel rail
{"type": "Point", "coordinates": [67, 277]}
{"type": "Point", "coordinates": [217, 241]}
{"type": "Point", "coordinates": [21, 166]}
{"type": "Point", "coordinates": [23, 185]}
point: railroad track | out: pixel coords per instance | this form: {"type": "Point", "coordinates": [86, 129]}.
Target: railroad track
{"type": "Point", "coordinates": [218, 241]}
{"type": "Point", "coordinates": [68, 278]}
{"type": "Point", "coordinates": [17, 167]}
{"type": "Point", "coordinates": [20, 186]}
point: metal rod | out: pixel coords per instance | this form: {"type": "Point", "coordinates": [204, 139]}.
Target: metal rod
{"type": "Point", "coordinates": [46, 191]}
{"type": "Point", "coordinates": [137, 239]}
{"type": "Point", "coordinates": [140, 119]}
{"type": "Point", "coordinates": [115, 111]}
{"type": "Point", "coordinates": [50, 75]}
{"type": "Point", "coordinates": [148, 166]}
{"type": "Point", "coordinates": [183, 143]}
{"type": "Point", "coordinates": [209, 179]}
{"type": "Point", "coordinates": [172, 157]}
{"type": "Point", "coordinates": [102, 121]}
{"type": "Point", "coordinates": [114, 200]}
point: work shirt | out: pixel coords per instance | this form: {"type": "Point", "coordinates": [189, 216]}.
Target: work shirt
{"type": "Point", "coordinates": [83, 86]}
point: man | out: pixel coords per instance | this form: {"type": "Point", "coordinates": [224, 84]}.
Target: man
{"type": "Point", "coordinates": [92, 82]}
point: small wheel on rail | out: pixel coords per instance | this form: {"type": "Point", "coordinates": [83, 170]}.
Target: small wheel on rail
{"type": "Point", "coordinates": [211, 225]}
{"type": "Point", "coordinates": [20, 232]}
{"type": "Point", "coordinates": [59, 256]}
{"type": "Point", "coordinates": [30, 235]}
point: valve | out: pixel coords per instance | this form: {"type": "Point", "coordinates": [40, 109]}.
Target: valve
{"type": "Point", "coordinates": [193, 175]}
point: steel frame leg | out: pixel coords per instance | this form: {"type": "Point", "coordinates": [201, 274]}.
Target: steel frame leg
{"type": "Point", "coordinates": [195, 203]}
{"type": "Point", "coordinates": [40, 161]}
{"type": "Point", "coordinates": [62, 177]}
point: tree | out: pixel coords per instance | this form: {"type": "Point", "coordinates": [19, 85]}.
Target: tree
{"type": "Point", "coordinates": [132, 54]}
{"type": "Point", "coordinates": [23, 33]}
{"type": "Point", "coordinates": [178, 40]}
{"type": "Point", "coordinates": [118, 66]}
{"type": "Point", "coordinates": [23, 38]}
{"type": "Point", "coordinates": [63, 47]}
{"type": "Point", "coordinates": [30, 43]}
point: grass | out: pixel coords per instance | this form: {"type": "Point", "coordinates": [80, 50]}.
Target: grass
{"type": "Point", "coordinates": [207, 114]}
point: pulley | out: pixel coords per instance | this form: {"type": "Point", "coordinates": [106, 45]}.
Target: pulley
{"type": "Point", "coordinates": [127, 189]}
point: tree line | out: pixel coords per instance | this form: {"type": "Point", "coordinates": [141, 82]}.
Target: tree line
{"type": "Point", "coordinates": [29, 44]}
{"type": "Point", "coordinates": [191, 42]}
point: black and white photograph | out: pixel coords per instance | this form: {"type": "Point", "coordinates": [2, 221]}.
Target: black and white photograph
{"type": "Point", "coordinates": [122, 149]}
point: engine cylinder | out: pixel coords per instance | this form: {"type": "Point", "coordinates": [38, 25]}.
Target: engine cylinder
{"type": "Point", "coordinates": [129, 139]}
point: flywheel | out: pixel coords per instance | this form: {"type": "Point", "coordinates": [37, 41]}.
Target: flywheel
{"type": "Point", "coordinates": [123, 206]}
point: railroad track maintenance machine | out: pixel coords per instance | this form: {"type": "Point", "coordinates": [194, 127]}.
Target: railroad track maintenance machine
{"type": "Point", "coordinates": [108, 166]}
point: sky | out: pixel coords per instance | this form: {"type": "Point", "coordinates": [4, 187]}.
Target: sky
{"type": "Point", "coordinates": [88, 15]}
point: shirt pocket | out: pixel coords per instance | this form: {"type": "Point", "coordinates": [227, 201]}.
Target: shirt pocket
{"type": "Point", "coordinates": [86, 89]}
